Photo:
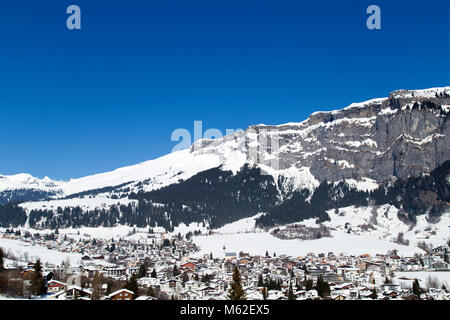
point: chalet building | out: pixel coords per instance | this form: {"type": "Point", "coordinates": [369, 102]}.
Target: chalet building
{"type": "Point", "coordinates": [146, 298]}
{"type": "Point", "coordinates": [189, 295]}
{"type": "Point", "coordinates": [230, 255]}
{"type": "Point", "coordinates": [390, 294]}
{"type": "Point", "coordinates": [115, 272]}
{"type": "Point", "coordinates": [56, 286]}
{"type": "Point", "coordinates": [188, 265]}
{"type": "Point", "coordinates": [76, 292]}
{"type": "Point", "coordinates": [387, 287]}
{"type": "Point", "coordinates": [172, 286]}
{"type": "Point", "coordinates": [192, 285]}
{"type": "Point", "coordinates": [206, 291]}
{"type": "Point", "coordinates": [122, 294]}
{"type": "Point", "coordinates": [440, 266]}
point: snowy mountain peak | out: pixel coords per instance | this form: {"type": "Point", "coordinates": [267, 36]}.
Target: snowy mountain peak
{"type": "Point", "coordinates": [403, 134]}
{"type": "Point", "coordinates": [27, 181]}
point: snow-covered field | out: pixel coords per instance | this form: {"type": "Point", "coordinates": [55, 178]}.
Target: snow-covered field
{"type": "Point", "coordinates": [259, 243]}
{"type": "Point", "coordinates": [240, 226]}
{"type": "Point", "coordinates": [243, 236]}
{"type": "Point", "coordinates": [22, 249]}
{"type": "Point", "coordinates": [100, 232]}
{"type": "Point", "coordinates": [383, 223]}
{"type": "Point", "coordinates": [86, 203]}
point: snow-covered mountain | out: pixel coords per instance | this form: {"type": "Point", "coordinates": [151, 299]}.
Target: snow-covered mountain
{"type": "Point", "coordinates": [368, 152]}
{"type": "Point", "coordinates": [27, 181]}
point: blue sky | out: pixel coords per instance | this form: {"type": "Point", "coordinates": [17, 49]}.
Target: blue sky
{"type": "Point", "coordinates": [80, 102]}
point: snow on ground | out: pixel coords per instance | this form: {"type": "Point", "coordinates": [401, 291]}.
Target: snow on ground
{"type": "Point", "coordinates": [437, 233]}
{"type": "Point", "coordinates": [293, 178]}
{"type": "Point", "coordinates": [242, 235]}
{"type": "Point", "coordinates": [21, 249]}
{"type": "Point", "coordinates": [9, 264]}
{"type": "Point", "coordinates": [46, 297]}
{"type": "Point", "coordinates": [384, 220]}
{"type": "Point", "coordinates": [183, 229]}
{"type": "Point", "coordinates": [386, 224]}
{"type": "Point", "coordinates": [86, 203]}
{"type": "Point", "coordinates": [101, 232]}
{"type": "Point", "coordinates": [240, 226]}
{"type": "Point", "coordinates": [9, 298]}
{"type": "Point", "coordinates": [423, 93]}
{"type": "Point", "coordinates": [364, 184]}
{"type": "Point", "coordinates": [259, 243]}
{"type": "Point", "coordinates": [162, 171]}
{"type": "Point", "coordinates": [443, 278]}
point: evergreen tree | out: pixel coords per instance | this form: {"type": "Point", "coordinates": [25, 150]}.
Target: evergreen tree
{"type": "Point", "coordinates": [150, 292]}
{"type": "Point", "coordinates": [291, 295]}
{"type": "Point", "coordinates": [38, 285]}
{"type": "Point", "coordinates": [416, 287]}
{"type": "Point", "coordinates": [108, 288]}
{"type": "Point", "coordinates": [309, 285]}
{"type": "Point", "coordinates": [374, 294]}
{"type": "Point", "coordinates": [97, 282]}
{"type": "Point", "coordinates": [264, 293]}
{"type": "Point", "coordinates": [132, 285]}
{"type": "Point", "coordinates": [260, 281]}
{"type": "Point", "coordinates": [175, 271]}
{"type": "Point", "coordinates": [184, 278]}
{"type": "Point", "coordinates": [205, 278]}
{"type": "Point", "coordinates": [236, 291]}
{"type": "Point", "coordinates": [142, 271]}
{"type": "Point", "coordinates": [323, 288]}
{"type": "Point", "coordinates": [153, 275]}
{"type": "Point", "coordinates": [1, 260]}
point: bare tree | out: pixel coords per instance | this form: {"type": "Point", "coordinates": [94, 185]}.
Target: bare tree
{"type": "Point", "coordinates": [433, 282]}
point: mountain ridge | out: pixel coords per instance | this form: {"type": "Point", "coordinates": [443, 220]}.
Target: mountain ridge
{"type": "Point", "coordinates": [330, 160]}
{"type": "Point", "coordinates": [358, 112]}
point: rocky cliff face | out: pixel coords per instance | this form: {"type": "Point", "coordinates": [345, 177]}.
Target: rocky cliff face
{"type": "Point", "coordinates": [406, 134]}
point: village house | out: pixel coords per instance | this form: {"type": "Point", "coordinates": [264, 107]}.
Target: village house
{"type": "Point", "coordinates": [56, 286]}
{"type": "Point", "coordinates": [122, 294]}
{"type": "Point", "coordinates": [76, 292]}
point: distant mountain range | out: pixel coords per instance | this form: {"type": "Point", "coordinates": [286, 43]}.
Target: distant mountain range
{"type": "Point", "coordinates": [388, 151]}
